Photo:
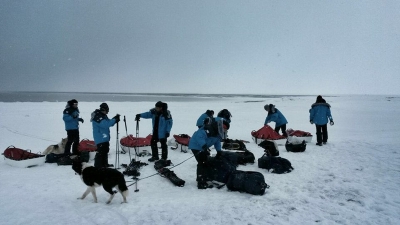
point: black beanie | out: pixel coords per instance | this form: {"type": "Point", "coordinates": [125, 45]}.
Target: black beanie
{"type": "Point", "coordinates": [72, 102]}
{"type": "Point", "coordinates": [104, 107]}
{"type": "Point", "coordinates": [159, 104]}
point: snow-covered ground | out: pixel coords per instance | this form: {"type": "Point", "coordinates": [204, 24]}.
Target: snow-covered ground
{"type": "Point", "coordinates": [354, 179]}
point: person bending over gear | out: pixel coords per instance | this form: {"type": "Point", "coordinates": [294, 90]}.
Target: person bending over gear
{"type": "Point", "coordinates": [224, 114]}
{"type": "Point", "coordinates": [162, 124]}
{"type": "Point", "coordinates": [71, 120]}
{"type": "Point", "coordinates": [276, 116]}
{"type": "Point", "coordinates": [205, 118]}
{"type": "Point", "coordinates": [205, 137]}
{"type": "Point", "coordinates": [320, 112]}
{"type": "Point", "coordinates": [101, 133]}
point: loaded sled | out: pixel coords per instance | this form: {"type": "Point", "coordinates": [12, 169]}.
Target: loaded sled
{"type": "Point", "coordinates": [298, 136]}
{"type": "Point", "coordinates": [269, 134]}
{"type": "Point", "coordinates": [141, 144]}
{"type": "Point", "coordinates": [22, 158]}
{"type": "Point", "coordinates": [180, 141]}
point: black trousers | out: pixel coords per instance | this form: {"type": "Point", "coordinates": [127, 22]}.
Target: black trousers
{"type": "Point", "coordinates": [101, 158]}
{"type": "Point", "coordinates": [73, 139]}
{"type": "Point", "coordinates": [283, 128]}
{"type": "Point", "coordinates": [201, 158]}
{"type": "Point", "coordinates": [322, 133]}
{"type": "Point", "coordinates": [154, 148]}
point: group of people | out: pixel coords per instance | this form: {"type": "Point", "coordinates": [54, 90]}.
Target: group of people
{"type": "Point", "coordinates": [211, 130]}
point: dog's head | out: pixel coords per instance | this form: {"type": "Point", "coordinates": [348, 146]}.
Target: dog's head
{"type": "Point", "coordinates": [77, 165]}
{"type": "Point", "coordinates": [63, 142]}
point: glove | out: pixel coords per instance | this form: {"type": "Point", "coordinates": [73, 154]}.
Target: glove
{"type": "Point", "coordinates": [205, 149]}
{"type": "Point", "coordinates": [81, 120]}
{"type": "Point", "coordinates": [116, 117]}
{"type": "Point", "coordinates": [311, 122]}
{"type": "Point", "coordinates": [137, 118]}
{"type": "Point", "coordinates": [166, 135]}
{"type": "Point", "coordinates": [219, 154]}
{"type": "Point", "coordinates": [331, 123]}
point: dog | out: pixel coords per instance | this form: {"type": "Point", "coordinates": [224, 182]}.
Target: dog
{"type": "Point", "coordinates": [94, 177]}
{"type": "Point", "coordinates": [56, 149]}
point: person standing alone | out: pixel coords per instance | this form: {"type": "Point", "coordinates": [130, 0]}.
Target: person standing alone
{"type": "Point", "coordinates": [71, 120]}
{"type": "Point", "coordinates": [320, 112]}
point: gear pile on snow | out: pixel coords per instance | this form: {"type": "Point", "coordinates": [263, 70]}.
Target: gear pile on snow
{"type": "Point", "coordinates": [133, 168]}
{"type": "Point", "coordinates": [165, 172]}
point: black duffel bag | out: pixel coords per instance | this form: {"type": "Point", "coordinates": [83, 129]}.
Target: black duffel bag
{"type": "Point", "coordinates": [290, 147]}
{"type": "Point", "coordinates": [247, 181]}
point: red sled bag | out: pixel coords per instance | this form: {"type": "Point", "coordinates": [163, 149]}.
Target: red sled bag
{"type": "Point", "coordinates": [22, 158]}
{"type": "Point", "coordinates": [131, 141]}
{"type": "Point", "coordinates": [267, 133]}
{"type": "Point", "coordinates": [87, 145]}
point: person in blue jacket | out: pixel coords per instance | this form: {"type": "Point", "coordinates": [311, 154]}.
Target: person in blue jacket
{"type": "Point", "coordinates": [101, 134]}
{"type": "Point", "coordinates": [224, 114]}
{"type": "Point", "coordinates": [276, 116]}
{"type": "Point", "coordinates": [162, 124]}
{"type": "Point", "coordinates": [205, 118]}
{"type": "Point", "coordinates": [71, 120]}
{"type": "Point", "coordinates": [205, 137]}
{"type": "Point", "coordinates": [320, 113]}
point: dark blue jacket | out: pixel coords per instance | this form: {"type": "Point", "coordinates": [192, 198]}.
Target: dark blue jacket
{"type": "Point", "coordinates": [200, 138]}
{"type": "Point", "coordinates": [164, 124]}
{"type": "Point", "coordinates": [320, 113]}
{"type": "Point", "coordinates": [101, 127]}
{"type": "Point", "coordinates": [70, 117]}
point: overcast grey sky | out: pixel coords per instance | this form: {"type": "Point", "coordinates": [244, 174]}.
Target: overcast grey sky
{"type": "Point", "coordinates": [253, 47]}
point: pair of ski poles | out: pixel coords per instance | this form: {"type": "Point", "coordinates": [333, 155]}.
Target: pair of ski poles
{"type": "Point", "coordinates": [117, 152]}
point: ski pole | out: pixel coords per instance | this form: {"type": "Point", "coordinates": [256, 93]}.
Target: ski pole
{"type": "Point", "coordinates": [117, 150]}
{"type": "Point", "coordinates": [137, 137]}
{"type": "Point", "coordinates": [126, 130]}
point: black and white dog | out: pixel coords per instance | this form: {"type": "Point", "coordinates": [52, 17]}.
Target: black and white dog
{"type": "Point", "coordinates": [94, 177]}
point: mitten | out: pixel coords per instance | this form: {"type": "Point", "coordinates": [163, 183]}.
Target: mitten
{"type": "Point", "coordinates": [81, 120]}
{"type": "Point", "coordinates": [137, 118]}
{"type": "Point", "coordinates": [311, 122]}
{"type": "Point", "coordinates": [205, 149]}
{"type": "Point", "coordinates": [116, 117]}
{"type": "Point", "coordinates": [331, 123]}
{"type": "Point", "coordinates": [166, 135]}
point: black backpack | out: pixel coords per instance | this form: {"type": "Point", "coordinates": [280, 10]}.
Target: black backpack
{"type": "Point", "coordinates": [290, 147]}
{"type": "Point", "coordinates": [230, 144]}
{"type": "Point", "coordinates": [241, 158]}
{"type": "Point", "coordinates": [276, 164]}
{"type": "Point", "coordinates": [269, 148]}
{"type": "Point", "coordinates": [219, 169]}
{"type": "Point", "coordinates": [247, 181]}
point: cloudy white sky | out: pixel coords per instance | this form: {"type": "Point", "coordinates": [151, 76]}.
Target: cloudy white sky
{"type": "Point", "coordinates": [208, 46]}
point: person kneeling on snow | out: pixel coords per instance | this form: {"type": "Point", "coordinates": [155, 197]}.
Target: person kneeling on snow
{"type": "Point", "coordinates": [202, 139]}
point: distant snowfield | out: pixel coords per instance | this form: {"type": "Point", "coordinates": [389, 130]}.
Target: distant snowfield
{"type": "Point", "coordinates": [354, 179]}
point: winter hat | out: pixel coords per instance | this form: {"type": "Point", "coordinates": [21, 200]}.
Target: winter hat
{"type": "Point", "coordinates": [159, 104]}
{"type": "Point", "coordinates": [225, 114]}
{"type": "Point", "coordinates": [164, 106]}
{"type": "Point", "coordinates": [104, 107]}
{"type": "Point", "coordinates": [72, 102]}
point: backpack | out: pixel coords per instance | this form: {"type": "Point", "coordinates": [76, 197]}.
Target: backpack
{"type": "Point", "coordinates": [239, 158]}
{"type": "Point", "coordinates": [233, 144]}
{"type": "Point", "coordinates": [270, 148]}
{"type": "Point", "coordinates": [276, 164]}
{"type": "Point", "coordinates": [53, 158]}
{"type": "Point", "coordinates": [247, 181]}
{"type": "Point", "coordinates": [64, 161]}
{"type": "Point", "coordinates": [219, 169]}
{"type": "Point", "coordinates": [291, 147]}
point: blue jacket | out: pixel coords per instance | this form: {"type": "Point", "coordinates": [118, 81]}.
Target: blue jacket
{"type": "Point", "coordinates": [164, 124]}
{"type": "Point", "coordinates": [70, 117]}
{"type": "Point", "coordinates": [277, 117]}
{"type": "Point", "coordinates": [199, 138]}
{"type": "Point", "coordinates": [320, 113]}
{"type": "Point", "coordinates": [200, 120]}
{"type": "Point", "coordinates": [101, 127]}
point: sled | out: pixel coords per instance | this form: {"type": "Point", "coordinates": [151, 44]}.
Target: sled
{"type": "Point", "coordinates": [298, 136]}
{"type": "Point", "coordinates": [86, 145]}
{"type": "Point", "coordinates": [142, 145]}
{"type": "Point", "coordinates": [180, 141]}
{"type": "Point", "coordinates": [269, 134]}
{"type": "Point", "coordinates": [22, 158]}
